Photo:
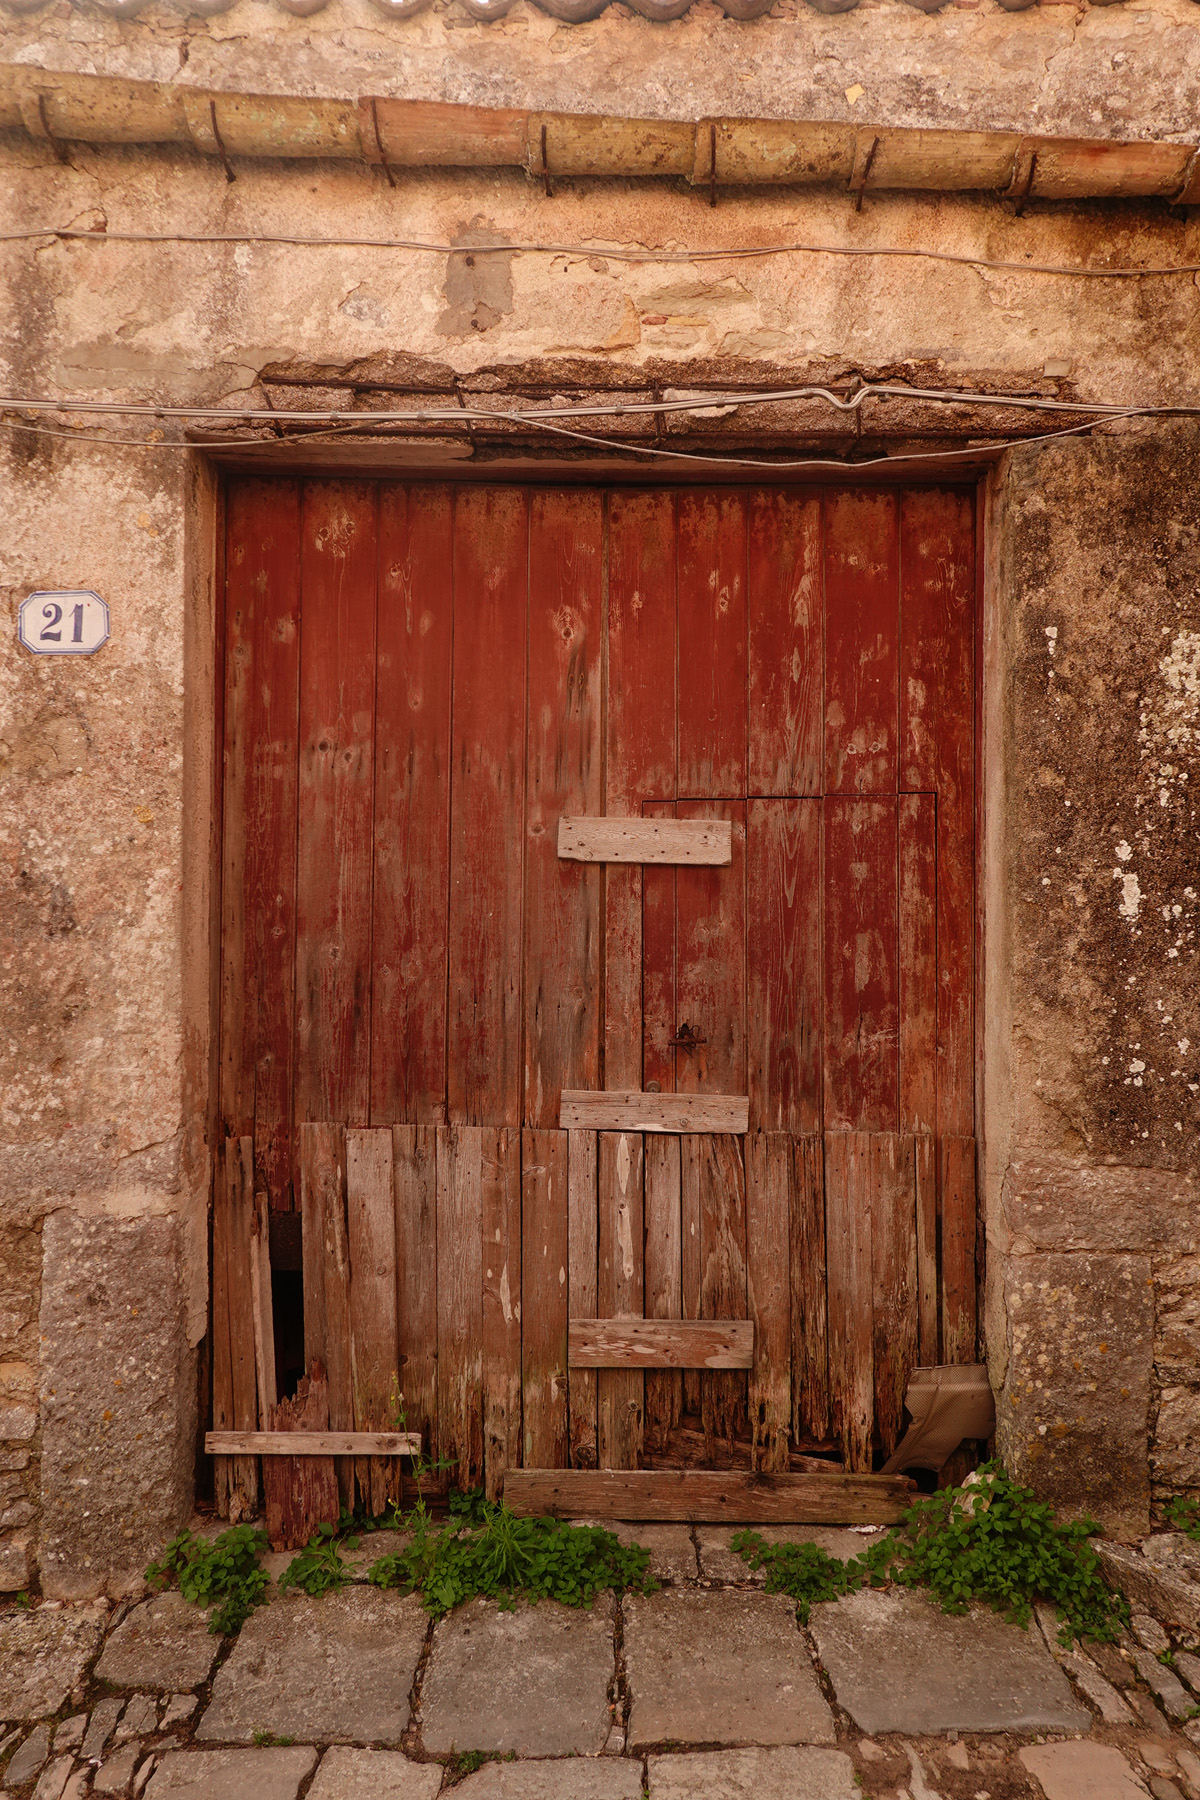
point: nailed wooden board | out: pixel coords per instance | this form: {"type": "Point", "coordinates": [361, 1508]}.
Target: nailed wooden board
{"type": "Point", "coordinates": [649, 840]}
{"type": "Point", "coordinates": [733, 1495]}
{"type": "Point", "coordinates": [371, 1238]}
{"type": "Point", "coordinates": [582, 1225]}
{"type": "Point", "coordinates": [783, 964]}
{"type": "Point", "coordinates": [850, 1297]}
{"type": "Point", "coordinates": [312, 1443]}
{"type": "Point", "coordinates": [894, 1278]}
{"type": "Point", "coordinates": [918, 962]}
{"type": "Point", "coordinates": [460, 1300]}
{"type": "Point", "coordinates": [299, 1492]}
{"type": "Point", "coordinates": [768, 1294]}
{"type": "Point", "coordinates": [623, 1110]}
{"type": "Point", "coordinates": [809, 1321]}
{"type": "Point", "coordinates": [414, 1180]}
{"type": "Point", "coordinates": [661, 1344]}
{"type": "Point", "coordinates": [501, 1180]}
{"type": "Point", "coordinates": [563, 772]}
{"type": "Point", "coordinates": [239, 1248]}
{"type": "Point", "coordinates": [861, 1052]}
{"type": "Point", "coordinates": [545, 1251]}
{"type": "Point", "coordinates": [664, 1278]}
{"type": "Point", "coordinates": [620, 1292]}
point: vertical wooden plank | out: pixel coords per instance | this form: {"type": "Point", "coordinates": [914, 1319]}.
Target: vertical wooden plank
{"type": "Point", "coordinates": [784, 598]}
{"type": "Point", "coordinates": [712, 643]}
{"type": "Point", "coordinates": [262, 660]}
{"type": "Point", "coordinates": [414, 1176]}
{"type": "Point", "coordinates": [768, 1293]}
{"type": "Point", "coordinates": [412, 806]}
{"type": "Point", "coordinates": [316, 1159]}
{"type": "Point", "coordinates": [861, 1053]}
{"type": "Point", "coordinates": [848, 1259]}
{"type": "Point", "coordinates": [925, 1177]}
{"type": "Point", "coordinates": [239, 1197]}
{"type": "Point", "coordinates": [371, 1240]}
{"type": "Point", "coordinates": [486, 807]}
{"type": "Point", "coordinates": [783, 964]}
{"type": "Point", "coordinates": [918, 963]}
{"type": "Point", "coordinates": [222, 1362]}
{"type": "Point", "coordinates": [460, 1301]}
{"type": "Point", "coordinates": [723, 1392]}
{"type": "Point", "coordinates": [336, 1289]}
{"type": "Point", "coordinates": [659, 1015]}
{"type": "Point", "coordinates": [261, 1298]}
{"type": "Point", "coordinates": [893, 1278]}
{"type": "Point", "coordinates": [862, 617]}
{"type": "Point", "coordinates": [563, 774]}
{"type": "Point", "coordinates": [958, 1250]}
{"type": "Point", "coordinates": [335, 831]}
{"type": "Point", "coordinates": [640, 742]}
{"type": "Point", "coordinates": [810, 1324]}
{"type": "Point", "coordinates": [582, 1225]}
{"type": "Point", "coordinates": [619, 1295]}
{"type": "Point", "coordinates": [710, 977]}
{"type": "Point", "coordinates": [937, 663]}
{"type": "Point", "coordinates": [664, 1278]}
{"type": "Point", "coordinates": [501, 1306]}
{"type": "Point", "coordinates": [545, 1296]}
{"type": "Point", "coordinates": [691, 1158]}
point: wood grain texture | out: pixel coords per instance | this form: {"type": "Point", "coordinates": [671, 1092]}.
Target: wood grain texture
{"type": "Point", "coordinates": [937, 668]}
{"type": "Point", "coordinates": [659, 1016]}
{"type": "Point", "coordinates": [724, 1496]}
{"type": "Point", "coordinates": [712, 643]}
{"type": "Point", "coordinates": [785, 646]}
{"type": "Point", "coordinates": [501, 1177]}
{"type": "Point", "coordinates": [640, 742]}
{"type": "Point", "coordinates": [460, 1301]}
{"type": "Point", "coordinates": [710, 962]}
{"type": "Point", "coordinates": [861, 1052]}
{"type": "Point", "coordinates": [918, 962]}
{"type": "Point", "coordinates": [262, 1308]}
{"type": "Point", "coordinates": [722, 1182]}
{"type": "Point", "coordinates": [648, 840]}
{"type": "Point", "coordinates": [330, 1186]}
{"type": "Point", "coordinates": [582, 1249]}
{"type": "Point", "coordinates": [810, 1319]}
{"type": "Point", "coordinates": [261, 722]}
{"type": "Point", "coordinates": [487, 806]}
{"type": "Point", "coordinates": [317, 1151]}
{"type": "Point", "coordinates": [414, 1177]}
{"type": "Point", "coordinates": [563, 774]}
{"type": "Point", "coordinates": [925, 1176]}
{"type": "Point", "coordinates": [335, 837]}
{"type": "Point", "coordinates": [239, 1202]}
{"type": "Point", "coordinates": [862, 619]}
{"type": "Point", "coordinates": [412, 805]}
{"type": "Point", "coordinates": [545, 1298]}
{"type": "Point", "coordinates": [371, 1238]}
{"type": "Point", "coordinates": [894, 1279]}
{"type": "Point", "coordinates": [664, 1278]}
{"type": "Point", "coordinates": [300, 1492]}
{"type": "Point", "coordinates": [768, 1294]}
{"type": "Point", "coordinates": [848, 1218]}
{"type": "Point", "coordinates": [283, 1442]}
{"type": "Point", "coordinates": [661, 1344]}
{"type": "Point", "coordinates": [959, 1305]}
{"type": "Point", "coordinates": [604, 1110]}
{"type": "Point", "coordinates": [692, 1152]}
{"type": "Point", "coordinates": [620, 1293]}
{"type": "Point", "coordinates": [783, 964]}
{"type": "Point", "coordinates": [222, 1361]}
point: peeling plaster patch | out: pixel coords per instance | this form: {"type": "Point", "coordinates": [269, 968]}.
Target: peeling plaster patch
{"type": "Point", "coordinates": [1131, 894]}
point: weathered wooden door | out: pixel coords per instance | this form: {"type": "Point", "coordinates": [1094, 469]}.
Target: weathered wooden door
{"type": "Point", "coordinates": [420, 681]}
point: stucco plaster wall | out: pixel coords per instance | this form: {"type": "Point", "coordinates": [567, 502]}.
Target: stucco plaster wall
{"type": "Point", "coordinates": [105, 763]}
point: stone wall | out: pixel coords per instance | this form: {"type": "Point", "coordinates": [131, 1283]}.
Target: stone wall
{"type": "Point", "coordinates": [105, 764]}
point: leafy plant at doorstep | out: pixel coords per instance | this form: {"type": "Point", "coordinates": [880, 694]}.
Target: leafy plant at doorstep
{"type": "Point", "coordinates": [1183, 1515]}
{"type": "Point", "coordinates": [223, 1573]}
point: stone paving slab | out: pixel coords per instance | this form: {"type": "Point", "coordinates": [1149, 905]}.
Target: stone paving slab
{"type": "Point", "coordinates": [43, 1653]}
{"type": "Point", "coordinates": [163, 1643]}
{"type": "Point", "coordinates": [787, 1773]}
{"type": "Point", "coordinates": [1079, 1771]}
{"type": "Point", "coordinates": [534, 1680]}
{"type": "Point", "coordinates": [720, 1562]}
{"type": "Point", "coordinates": [899, 1663]}
{"type": "Point", "coordinates": [371, 1546]}
{"type": "Point", "coordinates": [374, 1775]}
{"type": "Point", "coordinates": [337, 1668]}
{"type": "Point", "coordinates": [720, 1667]}
{"type": "Point", "coordinates": [568, 1778]}
{"type": "Point", "coordinates": [231, 1774]}
{"type": "Point", "coordinates": [672, 1552]}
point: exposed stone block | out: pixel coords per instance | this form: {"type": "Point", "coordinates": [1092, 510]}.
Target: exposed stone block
{"type": "Point", "coordinates": [16, 1562]}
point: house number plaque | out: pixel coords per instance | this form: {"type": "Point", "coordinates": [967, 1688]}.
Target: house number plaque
{"type": "Point", "coordinates": [63, 622]}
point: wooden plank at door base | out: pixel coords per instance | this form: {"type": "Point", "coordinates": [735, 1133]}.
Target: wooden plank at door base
{"type": "Point", "coordinates": [312, 1443]}
{"type": "Point", "coordinates": [661, 1344]}
{"type": "Point", "coordinates": [736, 1496]}
{"type": "Point", "coordinates": [625, 1109]}
{"type": "Point", "coordinates": [622, 840]}
{"type": "Point", "coordinates": [299, 1492]}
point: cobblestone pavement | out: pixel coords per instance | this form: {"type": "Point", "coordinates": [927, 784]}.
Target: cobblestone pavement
{"type": "Point", "coordinates": [708, 1689]}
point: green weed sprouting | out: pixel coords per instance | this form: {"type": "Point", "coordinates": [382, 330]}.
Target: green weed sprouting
{"type": "Point", "coordinates": [1183, 1515]}
{"type": "Point", "coordinates": [988, 1540]}
{"type": "Point", "coordinates": [320, 1566]}
{"type": "Point", "coordinates": [223, 1573]}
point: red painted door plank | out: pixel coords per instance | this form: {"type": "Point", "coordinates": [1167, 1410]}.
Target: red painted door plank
{"type": "Point", "coordinates": [545, 1295]}
{"type": "Point", "coordinates": [784, 605]}
{"type": "Point", "coordinates": [861, 988]}
{"type": "Point", "coordinates": [335, 835]}
{"type": "Point", "coordinates": [659, 1015]}
{"type": "Point", "coordinates": [918, 962]}
{"type": "Point", "coordinates": [712, 644]}
{"type": "Point", "coordinates": [710, 980]}
{"type": "Point", "coordinates": [640, 743]}
{"type": "Point", "coordinates": [412, 806]}
{"type": "Point", "coordinates": [783, 957]}
{"type": "Point", "coordinates": [862, 593]}
{"type": "Point", "coordinates": [501, 1196]}
{"type": "Point", "coordinates": [563, 775]}
{"type": "Point", "coordinates": [487, 805]}
{"type": "Point", "coordinates": [850, 1296]}
{"type": "Point", "coordinates": [620, 1293]}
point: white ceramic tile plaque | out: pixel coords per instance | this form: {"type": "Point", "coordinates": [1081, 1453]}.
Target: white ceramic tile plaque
{"type": "Point", "coordinates": [63, 622]}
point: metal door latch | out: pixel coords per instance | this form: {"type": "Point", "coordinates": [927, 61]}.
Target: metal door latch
{"type": "Point", "coordinates": [686, 1039]}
